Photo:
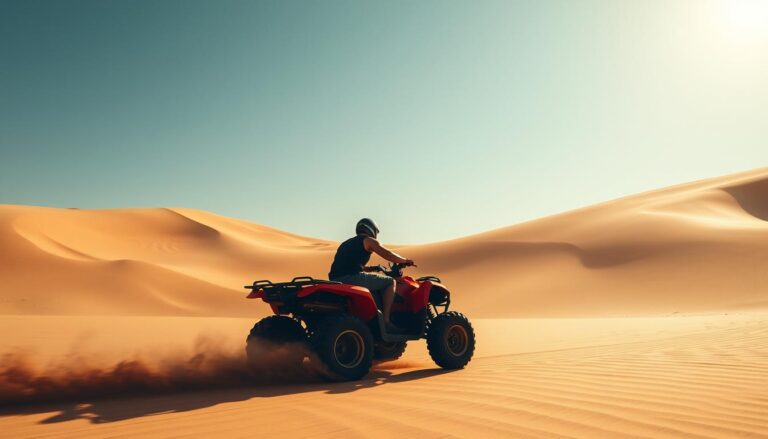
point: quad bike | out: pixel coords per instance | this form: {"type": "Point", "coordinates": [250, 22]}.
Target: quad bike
{"type": "Point", "coordinates": [341, 326]}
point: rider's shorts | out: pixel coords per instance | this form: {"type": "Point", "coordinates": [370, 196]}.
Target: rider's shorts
{"type": "Point", "coordinates": [373, 281]}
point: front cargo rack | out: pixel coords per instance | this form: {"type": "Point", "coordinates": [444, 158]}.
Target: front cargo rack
{"type": "Point", "coordinates": [429, 278]}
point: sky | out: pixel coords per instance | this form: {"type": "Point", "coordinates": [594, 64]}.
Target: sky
{"type": "Point", "coordinates": [438, 119]}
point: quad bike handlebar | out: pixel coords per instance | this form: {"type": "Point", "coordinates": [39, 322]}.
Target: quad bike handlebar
{"type": "Point", "coordinates": [395, 269]}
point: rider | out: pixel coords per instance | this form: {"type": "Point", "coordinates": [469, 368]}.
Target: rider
{"type": "Point", "coordinates": [349, 265]}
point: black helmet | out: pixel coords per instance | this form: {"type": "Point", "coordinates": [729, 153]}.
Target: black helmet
{"type": "Point", "coordinates": [368, 227]}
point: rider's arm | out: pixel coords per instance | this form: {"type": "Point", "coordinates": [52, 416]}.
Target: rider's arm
{"type": "Point", "coordinates": [372, 245]}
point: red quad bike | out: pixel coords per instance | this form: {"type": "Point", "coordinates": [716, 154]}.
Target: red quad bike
{"type": "Point", "coordinates": [343, 328]}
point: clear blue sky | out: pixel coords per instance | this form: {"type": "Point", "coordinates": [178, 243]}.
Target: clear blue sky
{"type": "Point", "coordinates": [436, 118]}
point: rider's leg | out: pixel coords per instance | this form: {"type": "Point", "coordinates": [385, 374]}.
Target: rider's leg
{"type": "Point", "coordinates": [387, 297]}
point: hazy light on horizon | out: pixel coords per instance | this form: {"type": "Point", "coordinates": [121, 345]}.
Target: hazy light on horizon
{"type": "Point", "coordinates": [437, 118]}
{"type": "Point", "coordinates": [746, 16]}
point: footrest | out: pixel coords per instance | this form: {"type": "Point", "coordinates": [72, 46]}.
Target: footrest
{"type": "Point", "coordinates": [392, 338]}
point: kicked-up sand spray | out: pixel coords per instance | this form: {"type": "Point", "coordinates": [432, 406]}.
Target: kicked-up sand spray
{"type": "Point", "coordinates": [24, 378]}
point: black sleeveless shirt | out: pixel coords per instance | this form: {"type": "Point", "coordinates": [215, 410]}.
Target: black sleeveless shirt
{"type": "Point", "coordinates": [350, 258]}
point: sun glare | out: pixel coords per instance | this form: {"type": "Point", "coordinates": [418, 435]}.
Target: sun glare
{"type": "Point", "coordinates": [746, 16]}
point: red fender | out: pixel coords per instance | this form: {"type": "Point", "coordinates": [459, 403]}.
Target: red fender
{"type": "Point", "coordinates": [255, 294]}
{"type": "Point", "coordinates": [419, 297]}
{"type": "Point", "coordinates": [361, 303]}
{"type": "Point", "coordinates": [415, 294]}
{"type": "Point", "coordinates": [259, 294]}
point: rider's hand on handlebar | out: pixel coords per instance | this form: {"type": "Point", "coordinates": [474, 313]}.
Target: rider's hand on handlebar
{"type": "Point", "coordinates": [410, 263]}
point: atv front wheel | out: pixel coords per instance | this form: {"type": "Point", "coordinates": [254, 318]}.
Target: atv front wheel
{"type": "Point", "coordinates": [388, 351]}
{"type": "Point", "coordinates": [451, 340]}
{"type": "Point", "coordinates": [276, 342]}
{"type": "Point", "coordinates": [344, 346]}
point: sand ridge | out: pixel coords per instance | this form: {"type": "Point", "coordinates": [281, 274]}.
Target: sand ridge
{"type": "Point", "coordinates": [663, 377]}
{"type": "Point", "coordinates": [689, 248]}
{"type": "Point", "coordinates": [638, 317]}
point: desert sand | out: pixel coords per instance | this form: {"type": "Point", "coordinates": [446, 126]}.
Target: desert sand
{"type": "Point", "coordinates": [645, 316]}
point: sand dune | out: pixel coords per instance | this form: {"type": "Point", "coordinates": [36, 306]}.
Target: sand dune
{"type": "Point", "coordinates": [694, 247]}
{"type": "Point", "coordinates": [664, 377]}
{"type": "Point", "coordinates": [139, 261]}
{"type": "Point", "coordinates": [645, 316]}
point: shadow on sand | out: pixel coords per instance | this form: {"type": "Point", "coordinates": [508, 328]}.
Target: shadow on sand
{"type": "Point", "coordinates": [99, 411]}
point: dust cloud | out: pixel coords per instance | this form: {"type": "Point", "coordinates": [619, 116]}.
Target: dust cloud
{"type": "Point", "coordinates": [208, 364]}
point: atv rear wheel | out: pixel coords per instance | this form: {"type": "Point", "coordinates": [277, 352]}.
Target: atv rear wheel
{"type": "Point", "coordinates": [344, 347]}
{"type": "Point", "coordinates": [451, 340]}
{"type": "Point", "coordinates": [388, 351]}
{"type": "Point", "coordinates": [276, 342]}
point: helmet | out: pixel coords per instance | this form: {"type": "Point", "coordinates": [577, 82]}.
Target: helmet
{"type": "Point", "coordinates": [367, 226]}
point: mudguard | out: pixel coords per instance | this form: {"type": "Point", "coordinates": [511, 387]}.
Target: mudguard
{"type": "Point", "coordinates": [361, 303]}
{"type": "Point", "coordinates": [255, 294]}
{"type": "Point", "coordinates": [416, 299]}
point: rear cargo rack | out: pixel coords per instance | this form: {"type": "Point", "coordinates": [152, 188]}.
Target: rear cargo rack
{"type": "Point", "coordinates": [296, 282]}
{"type": "Point", "coordinates": [285, 293]}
